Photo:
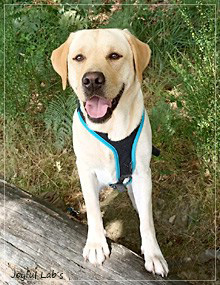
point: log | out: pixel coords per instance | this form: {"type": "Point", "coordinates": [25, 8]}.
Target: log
{"type": "Point", "coordinates": [40, 243]}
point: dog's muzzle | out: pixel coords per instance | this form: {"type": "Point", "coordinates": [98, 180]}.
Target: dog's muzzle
{"type": "Point", "coordinates": [99, 108]}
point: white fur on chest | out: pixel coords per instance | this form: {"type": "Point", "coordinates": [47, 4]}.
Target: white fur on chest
{"type": "Point", "coordinates": [92, 154]}
{"type": "Point", "coordinates": [106, 176]}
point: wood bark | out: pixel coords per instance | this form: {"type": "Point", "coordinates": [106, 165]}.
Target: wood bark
{"type": "Point", "coordinates": [41, 245]}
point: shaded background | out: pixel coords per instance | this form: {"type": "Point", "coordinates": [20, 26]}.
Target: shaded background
{"type": "Point", "coordinates": [179, 94]}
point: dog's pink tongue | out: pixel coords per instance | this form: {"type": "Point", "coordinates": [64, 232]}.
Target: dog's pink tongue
{"type": "Point", "coordinates": [97, 107]}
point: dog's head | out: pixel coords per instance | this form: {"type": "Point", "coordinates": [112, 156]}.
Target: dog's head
{"type": "Point", "coordinates": [101, 65]}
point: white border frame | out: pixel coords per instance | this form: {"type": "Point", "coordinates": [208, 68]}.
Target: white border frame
{"type": "Point", "coordinates": [215, 143]}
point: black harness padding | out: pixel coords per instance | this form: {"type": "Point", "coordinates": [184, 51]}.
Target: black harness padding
{"type": "Point", "coordinates": [155, 151]}
{"type": "Point", "coordinates": [123, 148]}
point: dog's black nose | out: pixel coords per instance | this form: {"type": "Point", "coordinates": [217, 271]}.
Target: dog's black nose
{"type": "Point", "coordinates": [93, 80]}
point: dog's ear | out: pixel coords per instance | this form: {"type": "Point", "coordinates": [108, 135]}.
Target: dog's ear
{"type": "Point", "coordinates": [141, 53]}
{"type": "Point", "coordinates": [59, 59]}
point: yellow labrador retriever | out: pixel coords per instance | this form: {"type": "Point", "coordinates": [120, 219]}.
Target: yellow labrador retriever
{"type": "Point", "coordinates": [111, 130]}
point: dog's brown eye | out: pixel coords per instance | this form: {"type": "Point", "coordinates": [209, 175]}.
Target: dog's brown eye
{"type": "Point", "coordinates": [79, 57]}
{"type": "Point", "coordinates": [114, 55]}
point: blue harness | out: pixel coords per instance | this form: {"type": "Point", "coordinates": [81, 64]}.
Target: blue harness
{"type": "Point", "coordinates": [124, 152]}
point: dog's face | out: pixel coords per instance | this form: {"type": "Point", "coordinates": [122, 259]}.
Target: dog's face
{"type": "Point", "coordinates": [102, 64]}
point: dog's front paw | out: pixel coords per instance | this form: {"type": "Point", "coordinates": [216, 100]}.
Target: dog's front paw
{"type": "Point", "coordinates": [154, 260]}
{"type": "Point", "coordinates": [96, 250]}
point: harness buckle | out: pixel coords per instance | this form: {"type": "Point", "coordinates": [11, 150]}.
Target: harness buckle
{"type": "Point", "coordinates": [120, 186]}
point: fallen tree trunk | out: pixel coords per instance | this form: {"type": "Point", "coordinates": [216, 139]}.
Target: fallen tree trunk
{"type": "Point", "coordinates": [40, 243]}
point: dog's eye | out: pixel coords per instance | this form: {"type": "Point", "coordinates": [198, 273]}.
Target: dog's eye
{"type": "Point", "coordinates": [79, 57]}
{"type": "Point", "coordinates": [114, 56]}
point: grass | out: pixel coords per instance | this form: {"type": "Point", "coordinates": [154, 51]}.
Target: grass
{"type": "Point", "coordinates": [178, 96]}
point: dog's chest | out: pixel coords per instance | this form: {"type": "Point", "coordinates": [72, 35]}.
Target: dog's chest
{"type": "Point", "coordinates": [112, 161]}
{"type": "Point", "coordinates": [98, 158]}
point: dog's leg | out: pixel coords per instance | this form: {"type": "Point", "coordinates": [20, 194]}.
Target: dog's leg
{"type": "Point", "coordinates": [142, 188]}
{"type": "Point", "coordinates": [96, 248]}
{"type": "Point", "coordinates": [131, 196]}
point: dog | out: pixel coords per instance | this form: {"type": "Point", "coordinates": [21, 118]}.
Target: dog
{"type": "Point", "coordinates": [104, 68]}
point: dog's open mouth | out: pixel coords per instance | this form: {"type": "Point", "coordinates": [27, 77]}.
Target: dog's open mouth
{"type": "Point", "coordinates": [99, 109]}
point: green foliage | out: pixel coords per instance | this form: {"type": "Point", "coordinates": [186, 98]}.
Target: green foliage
{"type": "Point", "coordinates": [196, 73]}
{"type": "Point", "coordinates": [1, 60]}
{"type": "Point", "coordinates": [164, 122]}
{"type": "Point", "coordinates": [160, 26]}
{"type": "Point", "coordinates": [32, 32]}
{"type": "Point", "coordinates": [58, 118]}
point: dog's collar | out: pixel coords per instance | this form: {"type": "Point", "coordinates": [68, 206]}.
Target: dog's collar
{"type": "Point", "coordinates": [124, 152]}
